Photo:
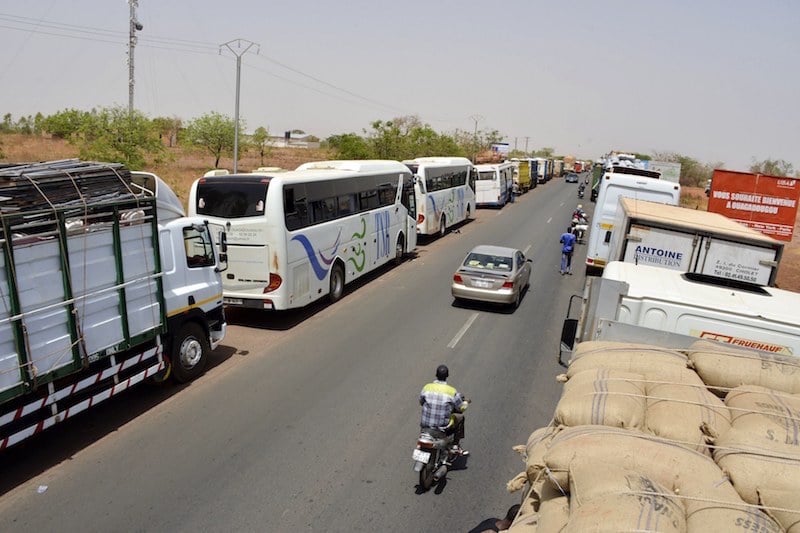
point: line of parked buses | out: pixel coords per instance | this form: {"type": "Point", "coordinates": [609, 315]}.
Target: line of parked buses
{"type": "Point", "coordinates": [297, 236]}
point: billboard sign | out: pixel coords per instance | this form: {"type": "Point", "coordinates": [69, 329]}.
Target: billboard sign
{"type": "Point", "coordinates": [765, 203]}
{"type": "Point", "coordinates": [669, 171]}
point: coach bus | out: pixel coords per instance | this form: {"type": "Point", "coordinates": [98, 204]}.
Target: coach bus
{"type": "Point", "coordinates": [295, 237]}
{"type": "Point", "coordinates": [494, 184]}
{"type": "Point", "coordinates": [444, 188]}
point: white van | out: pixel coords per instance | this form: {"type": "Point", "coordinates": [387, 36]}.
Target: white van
{"type": "Point", "coordinates": [622, 183]}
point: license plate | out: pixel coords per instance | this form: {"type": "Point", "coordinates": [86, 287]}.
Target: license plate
{"type": "Point", "coordinates": [483, 284]}
{"type": "Point", "coordinates": [419, 455]}
{"type": "Point", "coordinates": [232, 301]}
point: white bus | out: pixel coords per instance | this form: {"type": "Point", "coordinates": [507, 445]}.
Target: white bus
{"type": "Point", "coordinates": [294, 237]}
{"type": "Point", "coordinates": [445, 192]}
{"type": "Point", "coordinates": [494, 184]}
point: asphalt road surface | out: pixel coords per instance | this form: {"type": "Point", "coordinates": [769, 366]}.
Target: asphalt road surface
{"type": "Point", "coordinates": [306, 420]}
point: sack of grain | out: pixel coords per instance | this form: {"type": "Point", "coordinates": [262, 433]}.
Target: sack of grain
{"type": "Point", "coordinates": [650, 361]}
{"type": "Point", "coordinates": [535, 449]}
{"type": "Point", "coordinates": [603, 397]}
{"type": "Point", "coordinates": [551, 511]}
{"type": "Point", "coordinates": [608, 497]}
{"type": "Point", "coordinates": [688, 414]}
{"type": "Point", "coordinates": [756, 460]}
{"type": "Point", "coordinates": [724, 366]}
{"type": "Point", "coordinates": [783, 506]}
{"type": "Point", "coordinates": [755, 408]}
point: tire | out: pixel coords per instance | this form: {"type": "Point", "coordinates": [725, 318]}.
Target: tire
{"type": "Point", "coordinates": [190, 351]}
{"type": "Point", "coordinates": [468, 214]}
{"type": "Point", "coordinates": [428, 469]}
{"type": "Point", "coordinates": [518, 299]}
{"type": "Point", "coordinates": [443, 226]}
{"type": "Point", "coordinates": [336, 283]}
{"type": "Point", "coordinates": [399, 249]}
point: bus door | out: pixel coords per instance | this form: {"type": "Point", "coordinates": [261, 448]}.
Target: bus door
{"type": "Point", "coordinates": [408, 199]}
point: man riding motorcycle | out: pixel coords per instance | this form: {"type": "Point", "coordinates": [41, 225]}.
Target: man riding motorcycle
{"type": "Point", "coordinates": [443, 409]}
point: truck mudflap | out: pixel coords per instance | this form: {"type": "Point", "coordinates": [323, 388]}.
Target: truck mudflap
{"type": "Point", "coordinates": [57, 405]}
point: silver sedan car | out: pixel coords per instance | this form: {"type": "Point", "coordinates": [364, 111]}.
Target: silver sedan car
{"type": "Point", "coordinates": [493, 274]}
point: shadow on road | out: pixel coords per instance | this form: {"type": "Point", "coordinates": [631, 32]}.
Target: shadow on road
{"type": "Point", "coordinates": [41, 452]}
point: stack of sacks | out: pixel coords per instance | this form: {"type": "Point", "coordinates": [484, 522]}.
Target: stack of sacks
{"type": "Point", "coordinates": [761, 452]}
{"type": "Point", "coordinates": [625, 480]}
{"type": "Point", "coordinates": [724, 367]}
{"type": "Point", "coordinates": [640, 386]}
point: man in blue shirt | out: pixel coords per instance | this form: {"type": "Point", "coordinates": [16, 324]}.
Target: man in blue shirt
{"type": "Point", "coordinates": [443, 408]}
{"type": "Point", "coordinates": [567, 246]}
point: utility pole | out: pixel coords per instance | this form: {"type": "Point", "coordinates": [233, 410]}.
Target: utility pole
{"type": "Point", "coordinates": [475, 118]}
{"type": "Point", "coordinates": [526, 145]}
{"type": "Point", "coordinates": [242, 46]}
{"type": "Point", "coordinates": [135, 26]}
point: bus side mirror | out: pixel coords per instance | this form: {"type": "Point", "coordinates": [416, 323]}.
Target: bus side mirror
{"type": "Point", "coordinates": [223, 252]}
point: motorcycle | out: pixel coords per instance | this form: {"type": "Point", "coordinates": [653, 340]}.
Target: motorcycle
{"type": "Point", "coordinates": [580, 225]}
{"type": "Point", "coordinates": [581, 188]}
{"type": "Point", "coordinates": [433, 455]}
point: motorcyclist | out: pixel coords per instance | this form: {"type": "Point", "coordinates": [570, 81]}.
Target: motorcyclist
{"type": "Point", "coordinates": [579, 214]}
{"type": "Point", "coordinates": [443, 409]}
{"type": "Point", "coordinates": [581, 189]}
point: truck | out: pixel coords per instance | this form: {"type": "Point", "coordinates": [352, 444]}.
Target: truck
{"type": "Point", "coordinates": [690, 240]}
{"type": "Point", "coordinates": [677, 413]}
{"type": "Point", "coordinates": [104, 283]}
{"type": "Point", "coordinates": [524, 169]}
{"type": "Point", "coordinates": [648, 304]}
{"type": "Point", "coordinates": [621, 182]}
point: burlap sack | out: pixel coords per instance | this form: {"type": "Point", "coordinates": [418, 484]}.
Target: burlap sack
{"type": "Point", "coordinates": [603, 397]}
{"type": "Point", "coordinates": [650, 361]}
{"type": "Point", "coordinates": [727, 518]}
{"type": "Point", "coordinates": [783, 506]}
{"type": "Point", "coordinates": [688, 414]}
{"type": "Point", "coordinates": [607, 497]}
{"type": "Point", "coordinates": [755, 408]}
{"type": "Point", "coordinates": [552, 511]}
{"type": "Point", "coordinates": [757, 460]}
{"type": "Point", "coordinates": [725, 366]}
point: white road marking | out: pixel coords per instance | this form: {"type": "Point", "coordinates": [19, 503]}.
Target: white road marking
{"type": "Point", "coordinates": [525, 251]}
{"type": "Point", "coordinates": [549, 220]}
{"type": "Point", "coordinates": [462, 331]}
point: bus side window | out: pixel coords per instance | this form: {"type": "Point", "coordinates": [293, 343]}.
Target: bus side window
{"type": "Point", "coordinates": [294, 208]}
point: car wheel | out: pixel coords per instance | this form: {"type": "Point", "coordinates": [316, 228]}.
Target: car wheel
{"type": "Point", "coordinates": [518, 299]}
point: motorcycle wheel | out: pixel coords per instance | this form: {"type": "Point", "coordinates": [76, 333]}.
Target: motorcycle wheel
{"type": "Point", "coordinates": [428, 469]}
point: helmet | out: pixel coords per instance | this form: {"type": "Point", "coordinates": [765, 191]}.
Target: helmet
{"type": "Point", "coordinates": [580, 206]}
{"type": "Point", "coordinates": [442, 372]}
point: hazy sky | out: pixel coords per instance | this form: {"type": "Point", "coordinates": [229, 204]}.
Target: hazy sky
{"type": "Point", "coordinates": [715, 80]}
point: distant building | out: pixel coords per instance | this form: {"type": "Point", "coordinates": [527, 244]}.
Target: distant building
{"type": "Point", "coordinates": [293, 140]}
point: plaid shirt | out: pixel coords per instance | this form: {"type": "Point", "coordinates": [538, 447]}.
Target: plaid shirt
{"type": "Point", "coordinates": [439, 400]}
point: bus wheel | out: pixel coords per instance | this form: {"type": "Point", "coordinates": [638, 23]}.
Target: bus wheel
{"type": "Point", "coordinates": [468, 214]}
{"type": "Point", "coordinates": [443, 226]}
{"type": "Point", "coordinates": [399, 249]}
{"type": "Point", "coordinates": [337, 283]}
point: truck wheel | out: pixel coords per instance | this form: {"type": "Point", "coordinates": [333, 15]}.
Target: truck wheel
{"type": "Point", "coordinates": [190, 351]}
{"type": "Point", "coordinates": [337, 283]}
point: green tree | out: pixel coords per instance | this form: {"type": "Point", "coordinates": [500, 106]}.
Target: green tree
{"type": "Point", "coordinates": [349, 146]}
{"type": "Point", "coordinates": [772, 167]}
{"type": "Point", "coordinates": [259, 141]}
{"type": "Point", "coordinates": [214, 132]}
{"type": "Point", "coordinates": [115, 134]}
{"type": "Point", "coordinates": [65, 124]}
{"type": "Point", "coordinates": [168, 127]}
{"type": "Point", "coordinates": [545, 152]}
{"type": "Point", "coordinates": [7, 126]}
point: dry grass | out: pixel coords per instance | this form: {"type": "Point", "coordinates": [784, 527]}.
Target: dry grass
{"type": "Point", "coordinates": [183, 166]}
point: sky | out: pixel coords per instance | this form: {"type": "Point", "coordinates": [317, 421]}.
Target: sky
{"type": "Point", "coordinates": [713, 80]}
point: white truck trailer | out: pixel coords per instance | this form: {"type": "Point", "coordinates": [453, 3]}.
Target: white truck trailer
{"type": "Point", "coordinates": [689, 240]}
{"type": "Point", "coordinates": [103, 284]}
{"type": "Point", "coordinates": [638, 303]}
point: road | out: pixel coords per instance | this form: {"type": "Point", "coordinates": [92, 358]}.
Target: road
{"type": "Point", "coordinates": [306, 420]}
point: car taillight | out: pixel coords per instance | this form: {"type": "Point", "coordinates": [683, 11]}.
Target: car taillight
{"type": "Point", "coordinates": [274, 282]}
{"type": "Point", "coordinates": [420, 218]}
{"type": "Point", "coordinates": [457, 278]}
{"type": "Point", "coordinates": [508, 285]}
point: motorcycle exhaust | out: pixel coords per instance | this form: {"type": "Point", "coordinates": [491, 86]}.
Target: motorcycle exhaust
{"type": "Point", "coordinates": [439, 474]}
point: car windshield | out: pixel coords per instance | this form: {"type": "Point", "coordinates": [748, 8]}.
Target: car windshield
{"type": "Point", "coordinates": [488, 262]}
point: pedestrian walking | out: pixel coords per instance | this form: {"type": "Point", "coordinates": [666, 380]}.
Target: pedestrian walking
{"type": "Point", "coordinates": [567, 247]}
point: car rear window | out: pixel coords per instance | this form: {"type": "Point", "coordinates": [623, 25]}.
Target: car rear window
{"type": "Point", "coordinates": [488, 262]}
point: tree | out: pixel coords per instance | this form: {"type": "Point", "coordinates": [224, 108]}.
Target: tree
{"type": "Point", "coordinates": [545, 152]}
{"type": "Point", "coordinates": [772, 167]}
{"type": "Point", "coordinates": [65, 124]}
{"type": "Point", "coordinates": [214, 132]}
{"type": "Point", "coordinates": [168, 127]}
{"type": "Point", "coordinates": [259, 141]}
{"type": "Point", "coordinates": [349, 146]}
{"type": "Point", "coordinates": [115, 134]}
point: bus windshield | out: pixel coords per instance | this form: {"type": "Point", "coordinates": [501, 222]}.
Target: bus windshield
{"type": "Point", "coordinates": [227, 198]}
{"type": "Point", "coordinates": [486, 175]}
